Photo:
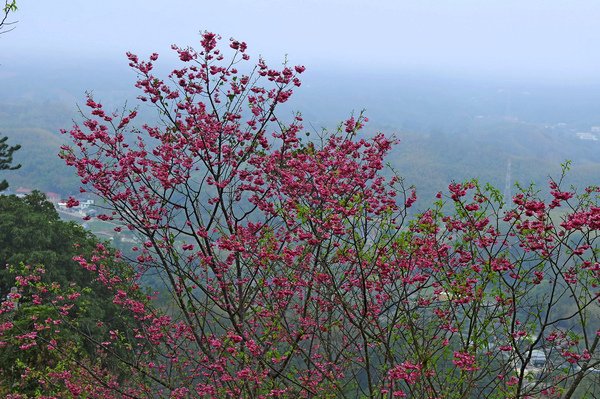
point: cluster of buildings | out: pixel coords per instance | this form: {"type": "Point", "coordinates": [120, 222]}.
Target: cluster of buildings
{"type": "Point", "coordinates": [592, 135]}
{"type": "Point", "coordinates": [85, 207]}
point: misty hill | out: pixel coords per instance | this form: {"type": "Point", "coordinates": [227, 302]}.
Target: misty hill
{"type": "Point", "coordinates": [40, 166]}
{"type": "Point", "coordinates": [450, 128]}
{"type": "Point", "coordinates": [431, 161]}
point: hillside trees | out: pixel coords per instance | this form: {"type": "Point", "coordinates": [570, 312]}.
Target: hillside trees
{"type": "Point", "coordinates": [49, 329]}
{"type": "Point", "coordinates": [6, 159]}
{"type": "Point", "coordinates": [292, 265]}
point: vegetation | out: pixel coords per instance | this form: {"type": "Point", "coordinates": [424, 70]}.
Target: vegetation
{"type": "Point", "coordinates": [10, 6]}
{"type": "Point", "coordinates": [61, 308]}
{"type": "Point", "coordinates": [6, 151]}
{"type": "Point", "coordinates": [6, 159]}
{"type": "Point", "coordinates": [294, 270]}
{"type": "Point", "coordinates": [290, 262]}
{"type": "Point", "coordinates": [427, 158]}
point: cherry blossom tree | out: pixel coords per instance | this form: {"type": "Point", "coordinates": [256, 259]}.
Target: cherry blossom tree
{"type": "Point", "coordinates": [292, 265]}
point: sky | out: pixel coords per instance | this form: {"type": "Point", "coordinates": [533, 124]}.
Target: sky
{"type": "Point", "coordinates": [556, 39]}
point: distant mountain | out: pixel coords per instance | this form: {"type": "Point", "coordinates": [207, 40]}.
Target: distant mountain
{"type": "Point", "coordinates": [483, 150]}
{"type": "Point", "coordinates": [450, 128]}
{"type": "Point", "coordinates": [40, 166]}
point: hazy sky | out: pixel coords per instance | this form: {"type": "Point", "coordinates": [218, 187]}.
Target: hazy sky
{"type": "Point", "coordinates": [556, 38]}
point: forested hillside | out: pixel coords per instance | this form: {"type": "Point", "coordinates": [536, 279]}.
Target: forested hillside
{"type": "Point", "coordinates": [442, 136]}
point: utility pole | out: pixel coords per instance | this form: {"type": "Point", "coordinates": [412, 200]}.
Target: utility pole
{"type": "Point", "coordinates": [508, 182]}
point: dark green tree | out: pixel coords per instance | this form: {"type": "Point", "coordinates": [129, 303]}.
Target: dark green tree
{"type": "Point", "coordinates": [33, 237]}
{"type": "Point", "coordinates": [31, 232]}
{"type": "Point", "coordinates": [6, 159]}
